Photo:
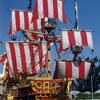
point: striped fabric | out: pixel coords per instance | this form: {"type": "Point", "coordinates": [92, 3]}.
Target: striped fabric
{"type": "Point", "coordinates": [76, 38]}
{"type": "Point", "coordinates": [69, 69]}
{"type": "Point", "coordinates": [21, 20]}
{"type": "Point", "coordinates": [50, 9]}
{"type": "Point", "coordinates": [25, 57]}
{"type": "Point", "coordinates": [3, 58]}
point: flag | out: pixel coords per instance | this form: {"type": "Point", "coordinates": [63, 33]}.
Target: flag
{"type": "Point", "coordinates": [75, 38]}
{"type": "Point", "coordinates": [50, 9]}
{"type": "Point", "coordinates": [72, 69]}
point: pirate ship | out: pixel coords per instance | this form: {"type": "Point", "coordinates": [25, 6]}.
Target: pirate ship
{"type": "Point", "coordinates": [27, 63]}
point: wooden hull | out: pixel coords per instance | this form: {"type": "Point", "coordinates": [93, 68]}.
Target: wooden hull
{"type": "Point", "coordinates": [39, 89]}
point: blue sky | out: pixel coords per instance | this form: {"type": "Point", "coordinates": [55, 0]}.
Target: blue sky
{"type": "Point", "coordinates": [89, 18]}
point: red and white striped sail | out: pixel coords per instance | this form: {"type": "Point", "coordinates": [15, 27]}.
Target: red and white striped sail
{"type": "Point", "coordinates": [75, 38]}
{"type": "Point", "coordinates": [72, 69]}
{"type": "Point", "coordinates": [25, 57]}
{"type": "Point", "coordinates": [3, 58]}
{"type": "Point", "coordinates": [50, 9]}
{"type": "Point", "coordinates": [21, 20]}
{"type": "Point", "coordinates": [34, 37]}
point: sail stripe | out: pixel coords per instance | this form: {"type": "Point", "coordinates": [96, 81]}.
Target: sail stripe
{"type": "Point", "coordinates": [75, 38]}
{"type": "Point", "coordinates": [21, 20]}
{"type": "Point", "coordinates": [17, 20]}
{"type": "Point", "coordinates": [89, 38]}
{"type": "Point", "coordinates": [84, 38]}
{"type": "Point", "coordinates": [71, 38]}
{"type": "Point", "coordinates": [32, 58]}
{"type": "Point", "coordinates": [68, 69]}
{"type": "Point", "coordinates": [72, 69]}
{"type": "Point", "coordinates": [75, 69]}
{"type": "Point", "coordinates": [45, 7]}
{"type": "Point", "coordinates": [26, 20]}
{"type": "Point", "coordinates": [55, 7]}
{"type": "Point", "coordinates": [13, 23]}
{"type": "Point", "coordinates": [13, 57]}
{"type": "Point", "coordinates": [60, 11]}
{"type": "Point", "coordinates": [3, 58]}
{"type": "Point", "coordinates": [23, 59]}
{"type": "Point", "coordinates": [50, 8]}
{"type": "Point", "coordinates": [81, 69]}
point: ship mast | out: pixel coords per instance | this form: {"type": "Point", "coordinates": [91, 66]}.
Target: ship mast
{"type": "Point", "coordinates": [76, 50]}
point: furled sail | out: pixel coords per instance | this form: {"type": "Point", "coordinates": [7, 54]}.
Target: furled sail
{"type": "Point", "coordinates": [75, 38]}
{"type": "Point", "coordinates": [50, 9]}
{"type": "Point", "coordinates": [72, 69]}
{"type": "Point", "coordinates": [25, 57]}
{"type": "Point", "coordinates": [21, 20]}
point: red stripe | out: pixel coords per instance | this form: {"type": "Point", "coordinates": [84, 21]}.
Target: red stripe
{"type": "Point", "coordinates": [68, 69]}
{"type": "Point", "coordinates": [55, 9]}
{"type": "Point", "coordinates": [35, 27]}
{"type": "Point", "coordinates": [23, 58]}
{"type": "Point", "coordinates": [26, 20]}
{"type": "Point", "coordinates": [45, 8]}
{"type": "Point", "coordinates": [10, 30]}
{"type": "Point", "coordinates": [13, 57]}
{"type": "Point", "coordinates": [71, 38]}
{"type": "Point", "coordinates": [40, 54]}
{"type": "Point", "coordinates": [35, 13]}
{"type": "Point", "coordinates": [17, 20]}
{"type": "Point", "coordinates": [63, 12]}
{"type": "Point", "coordinates": [3, 58]}
{"type": "Point", "coordinates": [61, 46]}
{"type": "Point", "coordinates": [81, 69]}
{"type": "Point", "coordinates": [31, 49]}
{"type": "Point", "coordinates": [84, 38]}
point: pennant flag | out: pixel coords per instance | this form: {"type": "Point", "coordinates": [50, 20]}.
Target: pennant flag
{"type": "Point", "coordinates": [72, 69]}
{"type": "Point", "coordinates": [25, 57]}
{"type": "Point", "coordinates": [50, 9]}
{"type": "Point", "coordinates": [21, 20]}
{"type": "Point", "coordinates": [75, 38]}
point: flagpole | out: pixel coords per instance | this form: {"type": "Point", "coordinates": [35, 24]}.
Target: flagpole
{"type": "Point", "coordinates": [76, 15]}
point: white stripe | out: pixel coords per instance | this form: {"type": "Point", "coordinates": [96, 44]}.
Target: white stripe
{"type": "Point", "coordinates": [38, 24]}
{"type": "Point", "coordinates": [89, 39]}
{"type": "Point", "coordinates": [50, 9]}
{"type": "Point", "coordinates": [30, 18]}
{"type": "Point", "coordinates": [40, 8]}
{"type": "Point", "coordinates": [21, 14]}
{"type": "Point", "coordinates": [65, 39]}
{"type": "Point", "coordinates": [36, 53]}
{"type": "Point", "coordinates": [27, 58]}
{"type": "Point", "coordinates": [75, 70]}
{"type": "Point", "coordinates": [13, 22]}
{"type": "Point", "coordinates": [60, 15]}
{"type": "Point", "coordinates": [87, 68]}
{"type": "Point", "coordinates": [78, 39]}
{"type": "Point", "coordinates": [11, 72]}
{"type": "Point", "coordinates": [18, 57]}
{"type": "Point", "coordinates": [61, 69]}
